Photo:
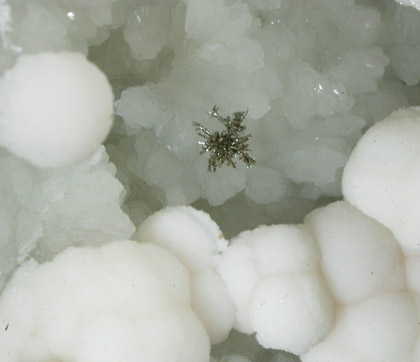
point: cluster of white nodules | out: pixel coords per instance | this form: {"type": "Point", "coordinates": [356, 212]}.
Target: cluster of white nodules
{"type": "Point", "coordinates": [341, 287]}
{"type": "Point", "coordinates": [375, 317]}
{"type": "Point", "coordinates": [196, 240]}
{"type": "Point", "coordinates": [381, 179]}
{"type": "Point", "coordinates": [55, 109]}
{"type": "Point", "coordinates": [273, 276]}
{"type": "Point", "coordinates": [344, 286]}
{"type": "Point", "coordinates": [125, 301]}
{"type": "Point", "coordinates": [382, 174]}
{"type": "Point", "coordinates": [338, 295]}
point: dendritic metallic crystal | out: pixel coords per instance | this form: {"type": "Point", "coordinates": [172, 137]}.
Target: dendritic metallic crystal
{"type": "Point", "coordinates": [226, 145]}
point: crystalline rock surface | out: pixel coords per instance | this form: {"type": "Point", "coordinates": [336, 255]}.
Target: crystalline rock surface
{"type": "Point", "coordinates": [116, 241]}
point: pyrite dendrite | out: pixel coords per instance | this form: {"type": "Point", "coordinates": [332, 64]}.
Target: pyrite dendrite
{"type": "Point", "coordinates": [226, 145]}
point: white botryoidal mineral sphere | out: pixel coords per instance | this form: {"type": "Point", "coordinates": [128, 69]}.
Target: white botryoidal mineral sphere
{"type": "Point", "coordinates": [55, 108]}
{"type": "Point", "coordinates": [124, 301]}
{"type": "Point", "coordinates": [382, 175]}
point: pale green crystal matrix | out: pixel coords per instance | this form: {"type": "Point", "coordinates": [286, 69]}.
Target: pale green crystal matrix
{"type": "Point", "coordinates": [312, 74]}
{"type": "Point", "coordinates": [44, 212]}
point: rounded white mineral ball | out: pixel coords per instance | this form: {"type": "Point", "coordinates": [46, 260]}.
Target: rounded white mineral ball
{"type": "Point", "coordinates": [378, 329]}
{"type": "Point", "coordinates": [272, 275]}
{"type": "Point", "coordinates": [359, 256]}
{"type": "Point", "coordinates": [382, 176]}
{"type": "Point", "coordinates": [125, 301]}
{"type": "Point", "coordinates": [196, 240]}
{"type": "Point", "coordinates": [55, 108]}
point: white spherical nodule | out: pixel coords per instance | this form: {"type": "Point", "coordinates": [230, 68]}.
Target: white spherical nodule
{"type": "Point", "coordinates": [272, 275]}
{"type": "Point", "coordinates": [196, 240]}
{"type": "Point", "coordinates": [189, 234]}
{"type": "Point", "coordinates": [382, 175]}
{"type": "Point", "coordinates": [292, 312]}
{"type": "Point", "coordinates": [213, 305]}
{"type": "Point", "coordinates": [125, 301]}
{"type": "Point", "coordinates": [55, 108]}
{"type": "Point", "coordinates": [377, 329]}
{"type": "Point", "coordinates": [359, 256]}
